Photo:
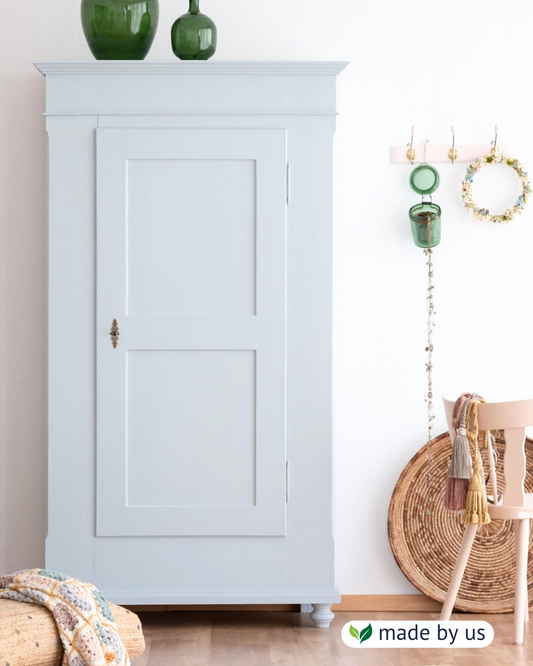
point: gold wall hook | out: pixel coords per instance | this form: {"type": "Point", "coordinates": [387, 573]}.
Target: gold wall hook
{"type": "Point", "coordinates": [411, 153]}
{"type": "Point", "coordinates": [425, 151]}
{"type": "Point", "coordinates": [452, 153]}
{"type": "Point", "coordinates": [495, 142]}
{"type": "Point", "coordinates": [115, 333]}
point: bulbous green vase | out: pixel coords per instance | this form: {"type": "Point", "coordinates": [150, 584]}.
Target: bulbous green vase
{"type": "Point", "coordinates": [119, 29]}
{"type": "Point", "coordinates": [194, 35]}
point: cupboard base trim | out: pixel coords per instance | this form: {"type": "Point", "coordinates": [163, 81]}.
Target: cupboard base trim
{"type": "Point", "coordinates": [214, 598]}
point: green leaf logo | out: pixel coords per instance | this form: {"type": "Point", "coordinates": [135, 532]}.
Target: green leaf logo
{"type": "Point", "coordinates": [363, 636]}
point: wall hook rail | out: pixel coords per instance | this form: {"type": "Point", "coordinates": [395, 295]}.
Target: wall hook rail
{"type": "Point", "coordinates": [434, 154]}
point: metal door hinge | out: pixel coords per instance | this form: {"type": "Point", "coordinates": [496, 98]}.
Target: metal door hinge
{"type": "Point", "coordinates": [288, 183]}
{"type": "Point", "coordinates": [287, 480]}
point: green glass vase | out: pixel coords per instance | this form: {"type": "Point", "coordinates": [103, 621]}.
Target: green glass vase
{"type": "Point", "coordinates": [194, 35]}
{"type": "Point", "coordinates": [119, 29]}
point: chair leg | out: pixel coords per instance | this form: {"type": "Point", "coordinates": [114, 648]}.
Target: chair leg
{"type": "Point", "coordinates": [459, 569]}
{"type": "Point", "coordinates": [526, 614]}
{"type": "Point", "coordinates": [521, 528]}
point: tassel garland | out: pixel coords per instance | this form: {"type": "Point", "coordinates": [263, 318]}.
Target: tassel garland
{"type": "Point", "coordinates": [476, 510]}
{"type": "Point", "coordinates": [465, 484]}
{"type": "Point", "coordinates": [460, 470]}
{"type": "Point", "coordinates": [461, 465]}
{"type": "Point", "coordinates": [455, 493]}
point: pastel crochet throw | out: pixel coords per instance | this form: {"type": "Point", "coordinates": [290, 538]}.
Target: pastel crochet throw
{"type": "Point", "coordinates": [83, 617]}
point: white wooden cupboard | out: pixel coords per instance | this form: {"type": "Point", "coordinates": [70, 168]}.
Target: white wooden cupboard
{"type": "Point", "coordinates": [189, 330]}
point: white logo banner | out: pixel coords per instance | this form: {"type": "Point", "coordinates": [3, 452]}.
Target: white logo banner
{"type": "Point", "coordinates": [429, 634]}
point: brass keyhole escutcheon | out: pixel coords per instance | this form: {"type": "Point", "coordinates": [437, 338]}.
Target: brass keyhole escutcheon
{"type": "Point", "coordinates": [115, 333]}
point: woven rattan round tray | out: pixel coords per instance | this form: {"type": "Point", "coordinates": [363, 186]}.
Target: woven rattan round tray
{"type": "Point", "coordinates": [426, 546]}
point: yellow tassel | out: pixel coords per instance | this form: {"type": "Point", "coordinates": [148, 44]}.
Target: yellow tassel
{"type": "Point", "coordinates": [476, 509]}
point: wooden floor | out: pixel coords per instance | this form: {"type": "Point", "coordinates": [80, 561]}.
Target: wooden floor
{"type": "Point", "coordinates": [289, 639]}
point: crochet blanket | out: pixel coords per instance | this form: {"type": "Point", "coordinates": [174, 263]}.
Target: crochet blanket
{"type": "Point", "coordinates": [84, 620]}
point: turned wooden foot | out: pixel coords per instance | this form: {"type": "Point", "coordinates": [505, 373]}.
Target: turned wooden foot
{"type": "Point", "coordinates": [322, 615]}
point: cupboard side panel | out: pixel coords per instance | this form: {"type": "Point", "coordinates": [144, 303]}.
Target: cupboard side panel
{"type": "Point", "coordinates": [71, 307]}
{"type": "Point", "coordinates": [310, 554]}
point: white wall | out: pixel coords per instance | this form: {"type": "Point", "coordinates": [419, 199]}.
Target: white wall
{"type": "Point", "coordinates": [412, 62]}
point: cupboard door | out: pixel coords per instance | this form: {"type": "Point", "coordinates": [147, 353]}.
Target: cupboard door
{"type": "Point", "coordinates": [191, 262]}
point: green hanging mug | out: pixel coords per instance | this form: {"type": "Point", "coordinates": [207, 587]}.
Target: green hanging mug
{"type": "Point", "coordinates": [425, 224]}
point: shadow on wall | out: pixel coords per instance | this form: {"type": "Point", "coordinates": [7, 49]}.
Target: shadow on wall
{"type": "Point", "coordinates": [23, 324]}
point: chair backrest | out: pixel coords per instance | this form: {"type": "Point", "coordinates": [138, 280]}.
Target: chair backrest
{"type": "Point", "coordinates": [512, 418]}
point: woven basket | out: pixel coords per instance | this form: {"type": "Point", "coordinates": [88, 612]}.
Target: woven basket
{"type": "Point", "coordinates": [29, 637]}
{"type": "Point", "coordinates": [425, 546]}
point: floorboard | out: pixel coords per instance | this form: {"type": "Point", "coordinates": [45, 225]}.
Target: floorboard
{"type": "Point", "coordinates": [238, 638]}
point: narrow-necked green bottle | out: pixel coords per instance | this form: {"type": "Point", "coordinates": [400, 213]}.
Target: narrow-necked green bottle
{"type": "Point", "coordinates": [194, 35]}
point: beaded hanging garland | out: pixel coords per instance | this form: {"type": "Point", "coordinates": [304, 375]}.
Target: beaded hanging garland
{"type": "Point", "coordinates": [482, 213]}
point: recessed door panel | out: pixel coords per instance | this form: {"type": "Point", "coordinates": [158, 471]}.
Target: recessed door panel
{"type": "Point", "coordinates": [191, 401]}
{"type": "Point", "coordinates": [191, 428]}
{"type": "Point", "coordinates": [191, 246]}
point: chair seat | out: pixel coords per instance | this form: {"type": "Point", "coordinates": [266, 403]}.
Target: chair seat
{"type": "Point", "coordinates": [513, 512]}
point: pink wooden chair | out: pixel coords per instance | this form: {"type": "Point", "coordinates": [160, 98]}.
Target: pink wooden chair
{"type": "Point", "coordinates": [512, 418]}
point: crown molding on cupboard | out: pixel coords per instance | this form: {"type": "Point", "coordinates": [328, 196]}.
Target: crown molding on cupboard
{"type": "Point", "coordinates": [178, 67]}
